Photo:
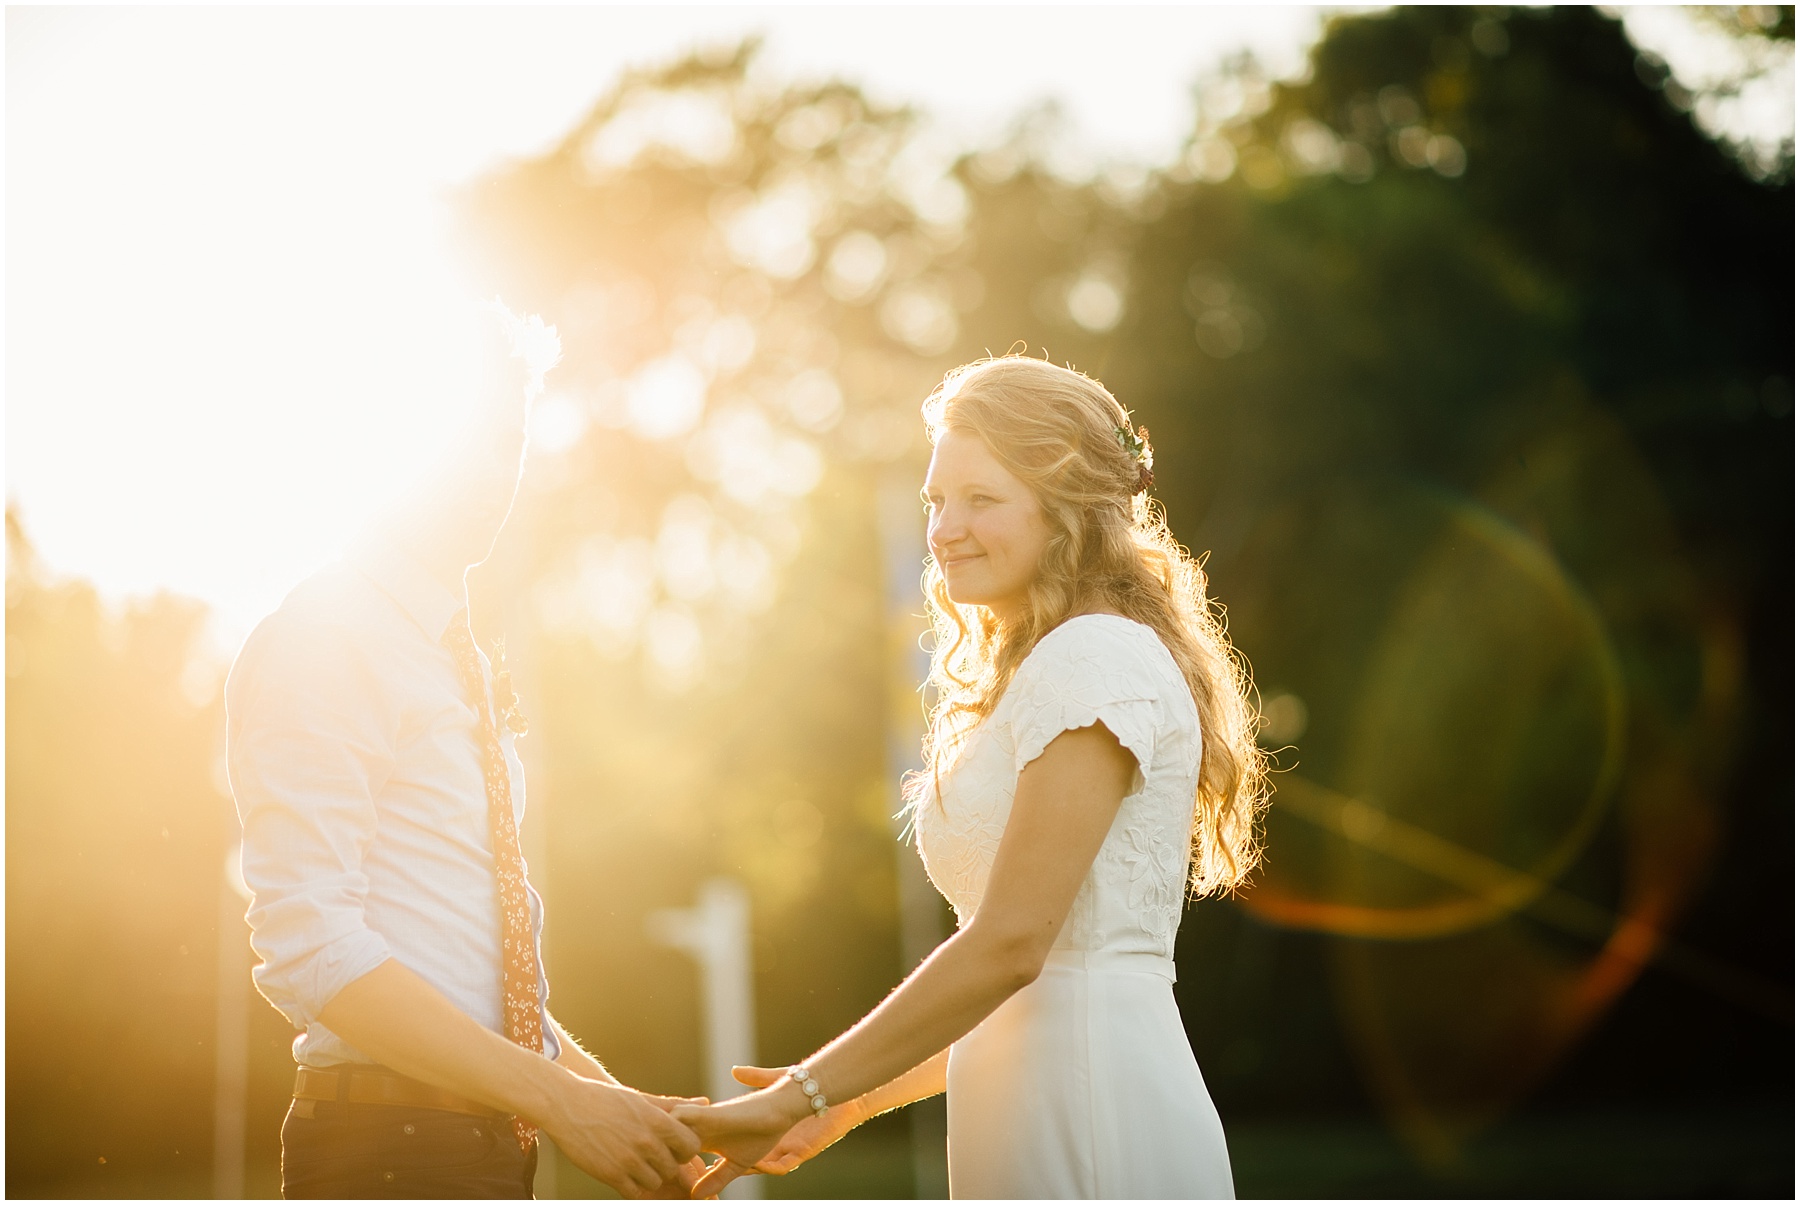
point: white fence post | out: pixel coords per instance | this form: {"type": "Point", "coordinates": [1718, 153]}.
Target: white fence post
{"type": "Point", "coordinates": [715, 932]}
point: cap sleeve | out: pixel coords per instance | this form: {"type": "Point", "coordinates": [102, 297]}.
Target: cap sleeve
{"type": "Point", "coordinates": [1081, 674]}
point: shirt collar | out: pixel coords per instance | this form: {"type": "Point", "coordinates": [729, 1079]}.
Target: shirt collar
{"type": "Point", "coordinates": [397, 575]}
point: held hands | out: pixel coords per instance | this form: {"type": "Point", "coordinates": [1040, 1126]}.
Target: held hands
{"type": "Point", "coordinates": [772, 1131]}
{"type": "Point", "coordinates": [808, 1137]}
{"type": "Point", "coordinates": [626, 1139]}
{"type": "Point", "coordinates": [679, 1189]}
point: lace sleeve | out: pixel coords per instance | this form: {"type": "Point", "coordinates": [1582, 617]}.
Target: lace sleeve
{"type": "Point", "coordinates": [1085, 673]}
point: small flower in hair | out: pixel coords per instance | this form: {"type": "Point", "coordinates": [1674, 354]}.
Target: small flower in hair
{"type": "Point", "coordinates": [1137, 446]}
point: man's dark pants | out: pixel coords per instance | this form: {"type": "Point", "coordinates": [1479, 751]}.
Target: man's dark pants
{"type": "Point", "coordinates": [374, 1151]}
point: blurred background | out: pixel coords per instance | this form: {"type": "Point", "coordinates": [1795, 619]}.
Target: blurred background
{"type": "Point", "coordinates": [1465, 340]}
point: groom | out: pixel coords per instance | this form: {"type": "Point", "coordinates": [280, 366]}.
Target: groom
{"type": "Point", "coordinates": [374, 772]}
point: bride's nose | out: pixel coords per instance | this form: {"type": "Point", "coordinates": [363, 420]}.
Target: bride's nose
{"type": "Point", "coordinates": [945, 528]}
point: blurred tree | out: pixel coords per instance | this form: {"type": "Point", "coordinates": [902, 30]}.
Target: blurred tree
{"type": "Point", "coordinates": [1468, 358]}
{"type": "Point", "coordinates": [1476, 278]}
{"type": "Point", "coordinates": [1750, 77]}
{"type": "Point", "coordinates": [116, 835]}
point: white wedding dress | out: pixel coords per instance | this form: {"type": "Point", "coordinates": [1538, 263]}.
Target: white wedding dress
{"type": "Point", "coordinates": [1083, 1084]}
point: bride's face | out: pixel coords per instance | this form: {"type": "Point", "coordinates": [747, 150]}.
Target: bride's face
{"type": "Point", "coordinates": [985, 528]}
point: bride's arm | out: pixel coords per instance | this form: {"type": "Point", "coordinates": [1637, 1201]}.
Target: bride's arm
{"type": "Point", "coordinates": [927, 1079]}
{"type": "Point", "coordinates": [1065, 803]}
{"type": "Point", "coordinates": [815, 1134]}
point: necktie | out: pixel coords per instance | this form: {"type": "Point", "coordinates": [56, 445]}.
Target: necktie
{"type": "Point", "coordinates": [522, 1008]}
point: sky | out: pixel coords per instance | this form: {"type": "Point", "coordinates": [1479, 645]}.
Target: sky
{"type": "Point", "coordinates": [233, 326]}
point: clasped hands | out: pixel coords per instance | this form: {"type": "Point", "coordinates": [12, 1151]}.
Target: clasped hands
{"type": "Point", "coordinates": [624, 1138]}
{"type": "Point", "coordinates": [772, 1131]}
{"type": "Point", "coordinates": [647, 1146]}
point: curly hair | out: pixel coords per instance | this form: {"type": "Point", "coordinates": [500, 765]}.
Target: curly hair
{"type": "Point", "coordinates": [1071, 442]}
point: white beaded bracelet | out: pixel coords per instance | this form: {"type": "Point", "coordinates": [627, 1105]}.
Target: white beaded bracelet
{"type": "Point", "coordinates": [800, 1075]}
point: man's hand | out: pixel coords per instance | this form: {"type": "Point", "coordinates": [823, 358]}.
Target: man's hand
{"type": "Point", "coordinates": [682, 1187]}
{"type": "Point", "coordinates": [622, 1138]}
{"type": "Point", "coordinates": [744, 1130]}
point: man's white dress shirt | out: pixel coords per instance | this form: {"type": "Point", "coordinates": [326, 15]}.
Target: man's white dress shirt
{"type": "Point", "coordinates": [355, 761]}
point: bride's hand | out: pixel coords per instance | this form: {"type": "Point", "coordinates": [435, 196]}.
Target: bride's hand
{"type": "Point", "coordinates": [772, 1131]}
{"type": "Point", "coordinates": [741, 1131]}
{"type": "Point", "coordinates": [807, 1138]}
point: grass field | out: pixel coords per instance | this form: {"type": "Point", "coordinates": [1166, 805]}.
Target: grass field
{"type": "Point", "coordinates": [1738, 1151]}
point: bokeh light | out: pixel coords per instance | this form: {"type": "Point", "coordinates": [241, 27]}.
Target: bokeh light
{"type": "Point", "coordinates": [1466, 348]}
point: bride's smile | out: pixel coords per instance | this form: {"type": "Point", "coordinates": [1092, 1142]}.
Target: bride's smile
{"type": "Point", "coordinates": [986, 528]}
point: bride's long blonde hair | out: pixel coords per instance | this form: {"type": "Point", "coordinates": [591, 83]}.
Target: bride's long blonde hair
{"type": "Point", "coordinates": [1071, 443]}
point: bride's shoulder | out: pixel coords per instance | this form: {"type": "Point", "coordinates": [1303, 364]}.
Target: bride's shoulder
{"type": "Point", "coordinates": [1098, 643]}
{"type": "Point", "coordinates": [1098, 630]}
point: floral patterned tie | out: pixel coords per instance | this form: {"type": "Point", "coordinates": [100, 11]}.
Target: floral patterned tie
{"type": "Point", "coordinates": [522, 1008]}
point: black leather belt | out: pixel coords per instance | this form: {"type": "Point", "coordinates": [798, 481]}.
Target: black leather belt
{"type": "Point", "coordinates": [372, 1085]}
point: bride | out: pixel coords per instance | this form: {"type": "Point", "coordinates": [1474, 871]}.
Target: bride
{"type": "Point", "coordinates": [1091, 758]}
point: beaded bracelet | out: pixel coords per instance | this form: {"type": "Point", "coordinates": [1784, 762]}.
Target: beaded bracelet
{"type": "Point", "coordinates": [800, 1075]}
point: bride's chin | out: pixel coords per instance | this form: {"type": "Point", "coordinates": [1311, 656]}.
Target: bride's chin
{"type": "Point", "coordinates": [964, 597]}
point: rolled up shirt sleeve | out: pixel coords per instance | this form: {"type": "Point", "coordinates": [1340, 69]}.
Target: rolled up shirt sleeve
{"type": "Point", "coordinates": [308, 749]}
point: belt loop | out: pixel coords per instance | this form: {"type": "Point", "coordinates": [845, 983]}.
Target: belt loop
{"type": "Point", "coordinates": [343, 1087]}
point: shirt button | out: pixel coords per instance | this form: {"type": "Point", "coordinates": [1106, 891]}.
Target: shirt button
{"type": "Point", "coordinates": [388, 1176]}
{"type": "Point", "coordinates": [409, 1128]}
{"type": "Point", "coordinates": [477, 1131]}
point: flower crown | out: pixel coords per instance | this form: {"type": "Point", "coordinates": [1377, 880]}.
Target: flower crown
{"type": "Point", "coordinates": [1137, 446]}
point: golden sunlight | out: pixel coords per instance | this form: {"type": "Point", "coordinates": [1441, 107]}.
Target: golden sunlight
{"type": "Point", "coordinates": [236, 326]}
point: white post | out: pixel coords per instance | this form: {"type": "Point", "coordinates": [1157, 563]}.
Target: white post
{"type": "Point", "coordinates": [716, 933]}
{"type": "Point", "coordinates": [231, 1033]}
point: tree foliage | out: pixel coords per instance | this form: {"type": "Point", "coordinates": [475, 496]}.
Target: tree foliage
{"type": "Point", "coordinates": [1468, 362]}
